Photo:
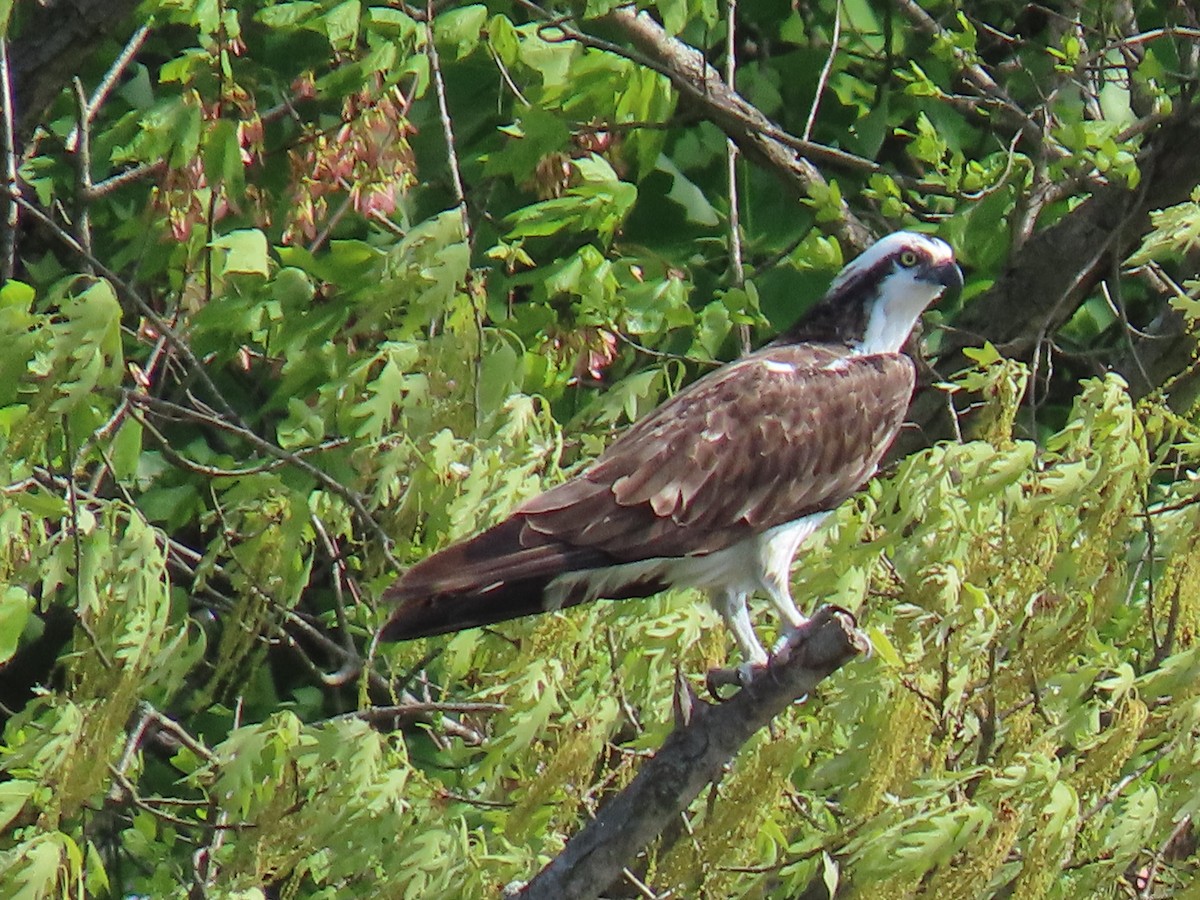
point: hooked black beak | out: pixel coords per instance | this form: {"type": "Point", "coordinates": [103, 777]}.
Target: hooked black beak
{"type": "Point", "coordinates": [947, 274]}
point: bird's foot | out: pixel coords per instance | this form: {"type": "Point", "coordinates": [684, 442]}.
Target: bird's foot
{"type": "Point", "coordinates": [741, 676]}
{"type": "Point", "coordinates": [792, 636]}
{"type": "Point", "coordinates": [789, 637]}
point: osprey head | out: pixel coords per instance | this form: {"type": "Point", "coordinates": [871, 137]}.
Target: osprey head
{"type": "Point", "coordinates": [875, 301]}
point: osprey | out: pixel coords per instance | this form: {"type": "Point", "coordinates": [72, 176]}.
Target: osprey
{"type": "Point", "coordinates": [716, 488]}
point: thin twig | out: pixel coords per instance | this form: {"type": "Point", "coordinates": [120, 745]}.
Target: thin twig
{"type": "Point", "coordinates": [979, 78]}
{"type": "Point", "coordinates": [341, 576]}
{"type": "Point", "coordinates": [128, 790]}
{"type": "Point", "coordinates": [203, 860]}
{"type": "Point", "coordinates": [179, 460]}
{"type": "Point", "coordinates": [1110, 289]}
{"type": "Point", "coordinates": [129, 176]}
{"type": "Point", "coordinates": [166, 723]}
{"type": "Point", "coordinates": [327, 481]}
{"type": "Point", "coordinates": [132, 743]}
{"type": "Point", "coordinates": [332, 222]}
{"type": "Point", "coordinates": [506, 76]}
{"type": "Point", "coordinates": [736, 266]}
{"type": "Point", "coordinates": [12, 190]}
{"type": "Point", "coordinates": [627, 708]}
{"type": "Point", "coordinates": [662, 354]}
{"type": "Point", "coordinates": [1117, 789]}
{"type": "Point", "coordinates": [439, 84]}
{"type": "Point", "coordinates": [823, 78]}
{"type": "Point", "coordinates": [85, 624]}
{"type": "Point", "coordinates": [1151, 872]}
{"type": "Point", "coordinates": [1137, 39]}
{"type": "Point", "coordinates": [1003, 179]}
{"type": "Point", "coordinates": [638, 885]}
{"type": "Point", "coordinates": [128, 293]}
{"type": "Point", "coordinates": [460, 198]}
{"type": "Point", "coordinates": [416, 708]}
{"type": "Point", "coordinates": [88, 107]}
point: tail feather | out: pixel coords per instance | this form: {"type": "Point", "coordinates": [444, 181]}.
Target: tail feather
{"type": "Point", "coordinates": [497, 575]}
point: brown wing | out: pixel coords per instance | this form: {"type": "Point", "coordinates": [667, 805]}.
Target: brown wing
{"type": "Point", "coordinates": [785, 432]}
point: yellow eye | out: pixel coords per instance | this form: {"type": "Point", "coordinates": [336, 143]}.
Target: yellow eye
{"type": "Point", "coordinates": [908, 259]}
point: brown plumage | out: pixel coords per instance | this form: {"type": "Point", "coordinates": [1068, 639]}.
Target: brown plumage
{"type": "Point", "coordinates": [780, 436]}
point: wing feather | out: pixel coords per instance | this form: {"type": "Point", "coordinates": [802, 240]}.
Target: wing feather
{"type": "Point", "coordinates": [780, 434]}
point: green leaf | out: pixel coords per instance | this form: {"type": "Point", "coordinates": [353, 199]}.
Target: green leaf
{"type": "Point", "coordinates": [245, 252]}
{"type": "Point", "coordinates": [16, 294]}
{"type": "Point", "coordinates": [883, 647]}
{"type": "Point", "coordinates": [222, 156]}
{"type": "Point", "coordinates": [287, 15]}
{"type": "Point", "coordinates": [14, 795]}
{"type": "Point", "coordinates": [461, 28]}
{"type": "Point", "coordinates": [302, 428]}
{"type": "Point", "coordinates": [15, 606]}
{"type": "Point", "coordinates": [341, 23]}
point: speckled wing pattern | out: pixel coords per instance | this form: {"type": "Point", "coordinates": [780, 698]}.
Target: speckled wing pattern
{"type": "Point", "coordinates": [782, 433]}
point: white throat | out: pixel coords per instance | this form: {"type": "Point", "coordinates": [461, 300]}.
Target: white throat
{"type": "Point", "coordinates": [902, 299]}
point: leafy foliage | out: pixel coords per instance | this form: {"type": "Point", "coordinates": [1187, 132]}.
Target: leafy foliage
{"type": "Point", "coordinates": [307, 343]}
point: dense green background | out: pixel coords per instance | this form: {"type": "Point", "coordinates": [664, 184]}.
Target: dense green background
{"type": "Point", "coordinates": [284, 340]}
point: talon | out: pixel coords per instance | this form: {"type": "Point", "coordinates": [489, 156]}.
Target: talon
{"type": "Point", "coordinates": [869, 649]}
{"type": "Point", "coordinates": [790, 638]}
{"type": "Point", "coordinates": [747, 670]}
{"type": "Point", "coordinates": [741, 676]}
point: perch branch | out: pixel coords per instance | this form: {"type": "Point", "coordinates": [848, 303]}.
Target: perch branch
{"type": "Point", "coordinates": [705, 739]}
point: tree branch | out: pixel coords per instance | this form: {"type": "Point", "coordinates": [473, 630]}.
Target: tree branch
{"type": "Point", "coordinates": [700, 84]}
{"type": "Point", "coordinates": [8, 152]}
{"type": "Point", "coordinates": [979, 79]}
{"type": "Point", "coordinates": [705, 739]}
{"type": "Point", "coordinates": [1059, 266]}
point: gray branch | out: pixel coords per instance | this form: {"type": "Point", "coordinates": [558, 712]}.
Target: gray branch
{"type": "Point", "coordinates": [705, 739]}
{"type": "Point", "coordinates": [1058, 268]}
{"type": "Point", "coordinates": [755, 134]}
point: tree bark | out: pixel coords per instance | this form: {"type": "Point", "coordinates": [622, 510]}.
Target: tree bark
{"type": "Point", "coordinates": [705, 739]}
{"type": "Point", "coordinates": [1060, 266]}
{"type": "Point", "coordinates": [52, 42]}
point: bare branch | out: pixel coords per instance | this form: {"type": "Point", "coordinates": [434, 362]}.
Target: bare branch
{"type": "Point", "coordinates": [439, 84]}
{"type": "Point", "coordinates": [823, 78]}
{"type": "Point", "coordinates": [978, 78]}
{"type": "Point", "coordinates": [736, 266]}
{"type": "Point", "coordinates": [83, 175]}
{"type": "Point", "coordinates": [701, 84]}
{"type": "Point", "coordinates": [8, 147]}
{"type": "Point", "coordinates": [89, 106]}
{"type": "Point", "coordinates": [129, 176]}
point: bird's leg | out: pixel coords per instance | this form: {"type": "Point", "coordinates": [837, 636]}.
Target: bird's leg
{"type": "Point", "coordinates": [732, 607]}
